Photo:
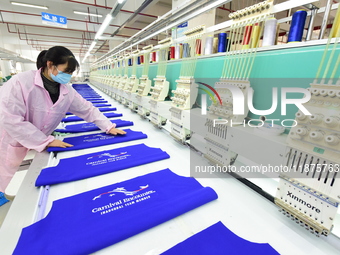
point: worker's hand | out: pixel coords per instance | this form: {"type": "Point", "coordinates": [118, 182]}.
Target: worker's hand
{"type": "Point", "coordinates": [58, 143]}
{"type": "Point", "coordinates": [115, 131]}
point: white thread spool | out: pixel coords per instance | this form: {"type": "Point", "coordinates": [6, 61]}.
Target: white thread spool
{"type": "Point", "coordinates": [323, 92]}
{"type": "Point", "coordinates": [269, 34]}
{"type": "Point", "coordinates": [208, 45]}
{"type": "Point", "coordinates": [177, 52]}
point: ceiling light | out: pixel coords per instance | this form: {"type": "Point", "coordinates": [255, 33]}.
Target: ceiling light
{"type": "Point", "coordinates": [30, 5]}
{"type": "Point", "coordinates": [88, 14]}
{"type": "Point", "coordinates": [104, 25]}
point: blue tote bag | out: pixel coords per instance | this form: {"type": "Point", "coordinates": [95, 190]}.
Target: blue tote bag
{"type": "Point", "coordinates": [94, 164]}
{"type": "Point", "coordinates": [219, 240]}
{"type": "Point", "coordinates": [76, 118]}
{"type": "Point", "coordinates": [95, 140]}
{"type": "Point", "coordinates": [87, 127]}
{"type": "Point", "coordinates": [91, 221]}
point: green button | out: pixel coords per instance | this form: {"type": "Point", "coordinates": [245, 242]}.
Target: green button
{"type": "Point", "coordinates": [319, 150]}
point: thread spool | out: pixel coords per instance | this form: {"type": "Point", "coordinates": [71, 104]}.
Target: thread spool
{"type": "Point", "coordinates": [336, 25]}
{"type": "Point", "coordinates": [142, 59]}
{"type": "Point", "coordinates": [215, 44]}
{"type": "Point", "coordinates": [297, 26]}
{"type": "Point", "coordinates": [172, 53]}
{"type": "Point", "coordinates": [222, 42]}
{"type": "Point", "coordinates": [255, 35]}
{"type": "Point", "coordinates": [208, 45]}
{"type": "Point", "coordinates": [153, 56]}
{"type": "Point", "coordinates": [269, 34]}
{"type": "Point", "coordinates": [138, 60]}
{"type": "Point", "coordinates": [247, 37]}
{"type": "Point", "coordinates": [177, 52]}
{"type": "Point", "coordinates": [157, 56]}
{"type": "Point", "coordinates": [186, 50]}
{"type": "Point", "coordinates": [198, 47]}
{"type": "Point", "coordinates": [129, 62]}
{"type": "Point", "coordinates": [181, 51]}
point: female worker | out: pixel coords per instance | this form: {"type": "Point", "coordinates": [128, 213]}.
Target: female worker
{"type": "Point", "coordinates": [33, 103]}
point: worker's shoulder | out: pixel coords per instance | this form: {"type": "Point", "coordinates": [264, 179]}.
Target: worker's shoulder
{"type": "Point", "coordinates": [24, 76]}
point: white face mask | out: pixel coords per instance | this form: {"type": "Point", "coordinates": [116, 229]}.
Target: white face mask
{"type": "Point", "coordinates": [61, 77]}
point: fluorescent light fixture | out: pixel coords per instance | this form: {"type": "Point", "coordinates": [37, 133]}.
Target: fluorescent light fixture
{"type": "Point", "coordinates": [104, 25]}
{"type": "Point", "coordinates": [92, 46]}
{"type": "Point", "coordinates": [30, 5]}
{"type": "Point", "coordinates": [88, 14]}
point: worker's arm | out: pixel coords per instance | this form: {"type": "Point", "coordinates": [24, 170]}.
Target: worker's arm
{"type": "Point", "coordinates": [85, 109]}
{"type": "Point", "coordinates": [12, 118]}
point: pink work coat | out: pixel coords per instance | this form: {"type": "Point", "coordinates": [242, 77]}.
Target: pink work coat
{"type": "Point", "coordinates": [28, 117]}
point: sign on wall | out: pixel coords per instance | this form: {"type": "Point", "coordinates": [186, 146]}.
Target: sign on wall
{"type": "Point", "coordinates": [53, 20]}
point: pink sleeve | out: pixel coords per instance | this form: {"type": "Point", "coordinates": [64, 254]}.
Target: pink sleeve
{"type": "Point", "coordinates": [84, 109]}
{"type": "Point", "coordinates": [12, 112]}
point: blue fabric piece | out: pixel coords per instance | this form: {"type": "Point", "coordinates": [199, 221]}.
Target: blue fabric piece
{"type": "Point", "coordinates": [101, 105]}
{"type": "Point", "coordinates": [94, 98]}
{"type": "Point", "coordinates": [3, 199]}
{"type": "Point", "coordinates": [76, 118]}
{"type": "Point", "coordinates": [88, 127]}
{"type": "Point", "coordinates": [95, 140]}
{"type": "Point", "coordinates": [91, 96]}
{"type": "Point", "coordinates": [93, 220]}
{"type": "Point", "coordinates": [98, 163]}
{"type": "Point", "coordinates": [219, 240]}
{"type": "Point", "coordinates": [98, 102]}
{"type": "Point", "coordinates": [102, 109]}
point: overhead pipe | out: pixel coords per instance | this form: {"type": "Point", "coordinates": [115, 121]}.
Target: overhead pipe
{"type": "Point", "coordinates": [140, 8]}
{"type": "Point", "coordinates": [106, 7]}
{"type": "Point", "coordinates": [70, 29]}
{"type": "Point", "coordinates": [76, 20]}
{"type": "Point", "coordinates": [161, 20]}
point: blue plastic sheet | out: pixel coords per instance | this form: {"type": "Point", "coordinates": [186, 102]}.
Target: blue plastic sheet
{"type": "Point", "coordinates": [76, 118]}
{"type": "Point", "coordinates": [219, 240]}
{"type": "Point", "coordinates": [91, 221]}
{"type": "Point", "coordinates": [103, 162]}
{"type": "Point", "coordinates": [95, 140]}
{"type": "Point", "coordinates": [88, 127]}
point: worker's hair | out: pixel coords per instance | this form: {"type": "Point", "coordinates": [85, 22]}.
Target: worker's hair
{"type": "Point", "coordinates": [40, 59]}
{"type": "Point", "coordinates": [58, 55]}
